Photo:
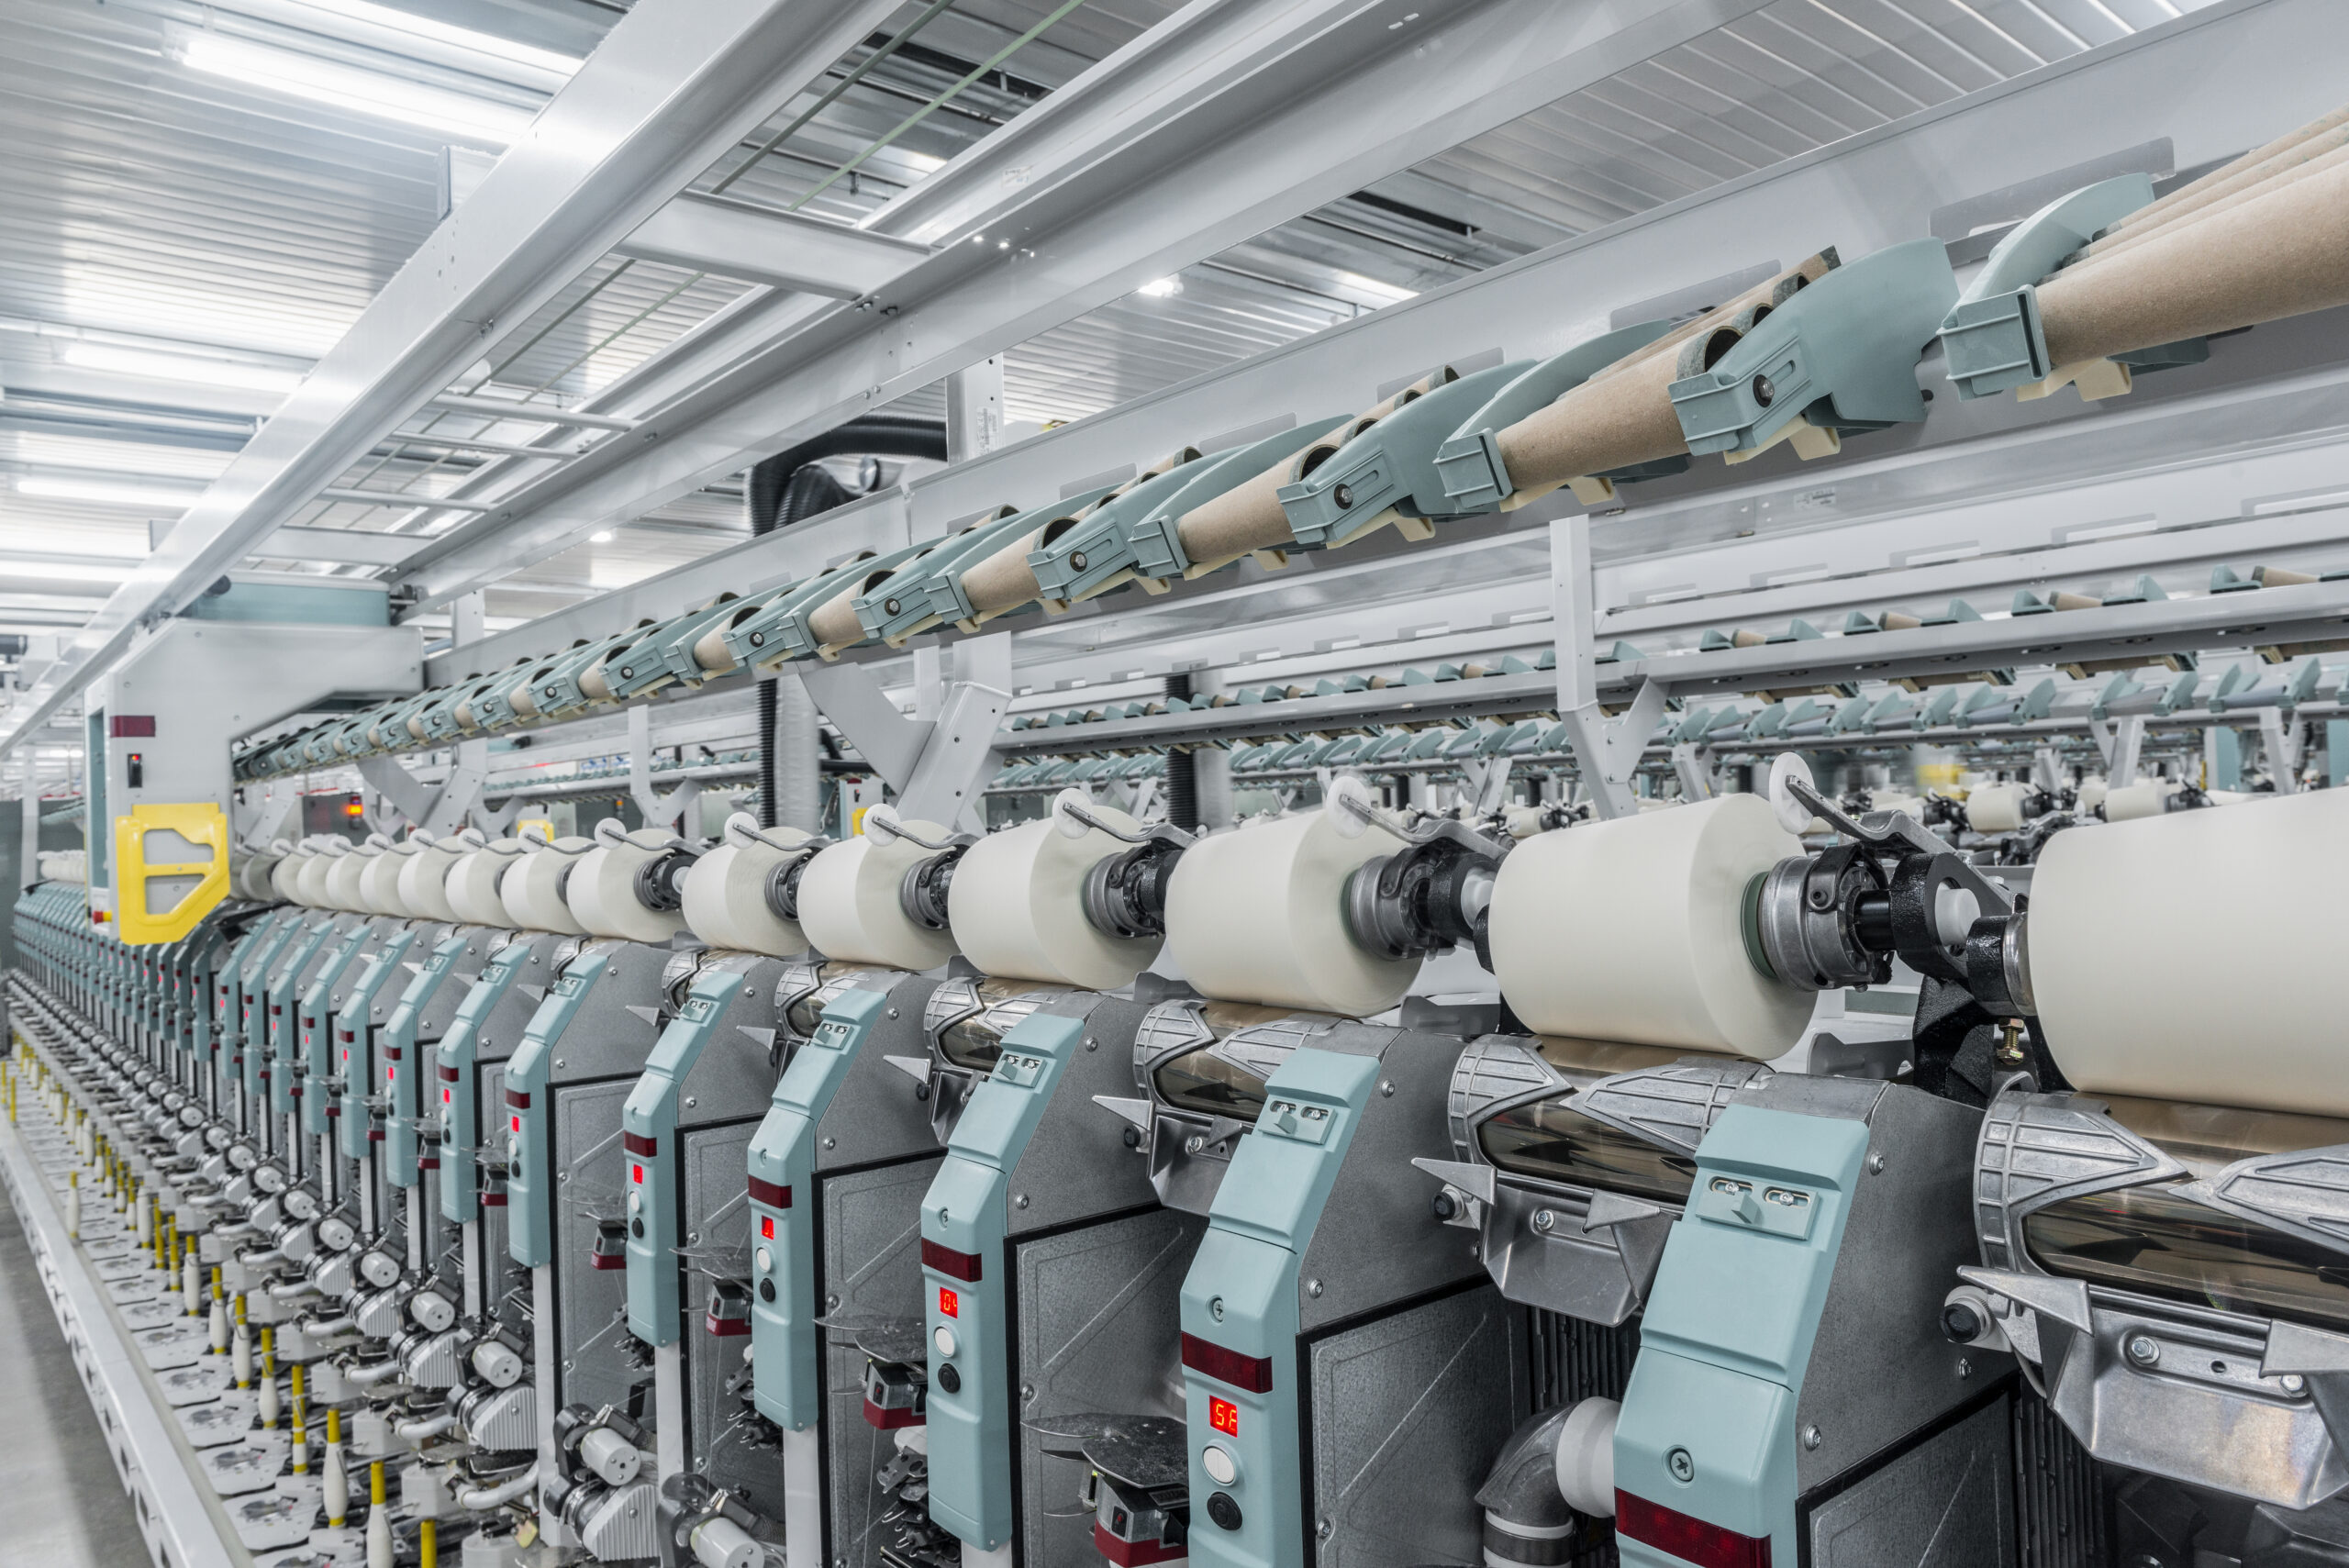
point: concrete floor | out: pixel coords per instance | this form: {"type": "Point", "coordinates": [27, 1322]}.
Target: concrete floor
{"type": "Point", "coordinates": [61, 1505]}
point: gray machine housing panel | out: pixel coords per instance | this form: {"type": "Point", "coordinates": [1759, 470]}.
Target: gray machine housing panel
{"type": "Point", "coordinates": [718, 1425]}
{"type": "Point", "coordinates": [876, 1157]}
{"type": "Point", "coordinates": [596, 1363]}
{"type": "Point", "coordinates": [1098, 1322]}
{"type": "Point", "coordinates": [1948, 1501]}
{"type": "Point", "coordinates": [1379, 1239]}
{"type": "Point", "coordinates": [876, 1114]}
{"type": "Point", "coordinates": [1407, 1412]}
{"type": "Point", "coordinates": [1076, 1164]}
{"type": "Point", "coordinates": [590, 1071]}
{"type": "Point", "coordinates": [872, 1268]}
{"type": "Point", "coordinates": [1880, 1368]}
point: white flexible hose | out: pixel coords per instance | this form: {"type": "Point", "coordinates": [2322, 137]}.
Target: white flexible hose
{"type": "Point", "coordinates": [480, 1499]}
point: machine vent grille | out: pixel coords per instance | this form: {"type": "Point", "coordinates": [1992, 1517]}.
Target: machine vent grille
{"type": "Point", "coordinates": [2062, 1512]}
{"type": "Point", "coordinates": [1573, 1360]}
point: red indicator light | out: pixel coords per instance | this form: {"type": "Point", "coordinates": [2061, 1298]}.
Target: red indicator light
{"type": "Point", "coordinates": [963, 1266]}
{"type": "Point", "coordinates": [636, 1173]}
{"type": "Point", "coordinates": [447, 1097]}
{"type": "Point", "coordinates": [1688, 1538]}
{"type": "Point", "coordinates": [1223, 1416]}
{"type": "Point", "coordinates": [390, 1074]}
{"type": "Point", "coordinates": [766, 1226]}
{"type": "Point", "coordinates": [517, 1124]}
{"type": "Point", "coordinates": [949, 1304]}
{"type": "Point", "coordinates": [1253, 1373]}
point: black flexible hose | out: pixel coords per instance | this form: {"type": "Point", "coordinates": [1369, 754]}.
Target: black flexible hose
{"type": "Point", "coordinates": [1182, 771]}
{"type": "Point", "coordinates": [879, 435]}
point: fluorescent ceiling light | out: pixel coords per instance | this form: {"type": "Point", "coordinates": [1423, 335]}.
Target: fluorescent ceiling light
{"type": "Point", "coordinates": [45, 450]}
{"type": "Point", "coordinates": [61, 571]}
{"type": "Point", "coordinates": [102, 540]}
{"type": "Point", "coordinates": [1387, 294]}
{"type": "Point", "coordinates": [58, 487]}
{"type": "Point", "coordinates": [180, 367]}
{"type": "Point", "coordinates": [601, 536]}
{"type": "Point", "coordinates": [1159, 288]}
{"type": "Point", "coordinates": [348, 87]}
{"type": "Point", "coordinates": [399, 21]}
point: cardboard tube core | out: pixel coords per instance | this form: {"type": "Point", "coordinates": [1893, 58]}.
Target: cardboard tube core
{"type": "Point", "coordinates": [2285, 253]}
{"type": "Point", "coordinates": [2258, 161]}
{"type": "Point", "coordinates": [1248, 517]}
{"type": "Point", "coordinates": [1623, 415]}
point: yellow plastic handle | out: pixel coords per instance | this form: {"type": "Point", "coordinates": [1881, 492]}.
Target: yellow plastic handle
{"type": "Point", "coordinates": [161, 899]}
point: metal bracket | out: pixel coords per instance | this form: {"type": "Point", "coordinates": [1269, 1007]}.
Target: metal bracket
{"type": "Point", "coordinates": [2046, 769]}
{"type": "Point", "coordinates": [461, 792]}
{"type": "Point", "coordinates": [935, 767]}
{"type": "Point", "coordinates": [264, 821]}
{"type": "Point", "coordinates": [437, 810]}
{"type": "Point", "coordinates": [2117, 743]}
{"type": "Point", "coordinates": [1693, 761]}
{"type": "Point", "coordinates": [495, 820]}
{"type": "Point", "coordinates": [2282, 749]}
{"type": "Point", "coordinates": [1487, 782]}
{"type": "Point", "coordinates": [659, 810]}
{"type": "Point", "coordinates": [849, 695]}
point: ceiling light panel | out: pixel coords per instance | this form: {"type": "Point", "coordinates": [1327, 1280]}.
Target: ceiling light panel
{"type": "Point", "coordinates": [397, 31]}
{"type": "Point", "coordinates": [356, 89]}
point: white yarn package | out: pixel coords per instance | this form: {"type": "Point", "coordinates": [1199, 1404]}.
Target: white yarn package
{"type": "Point", "coordinates": [1633, 930]}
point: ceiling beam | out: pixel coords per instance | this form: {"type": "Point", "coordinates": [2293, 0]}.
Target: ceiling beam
{"type": "Point", "coordinates": [340, 547]}
{"type": "Point", "coordinates": [1219, 123]}
{"type": "Point", "coordinates": [672, 87]}
{"type": "Point", "coordinates": [782, 250]}
{"type": "Point", "coordinates": [529, 413]}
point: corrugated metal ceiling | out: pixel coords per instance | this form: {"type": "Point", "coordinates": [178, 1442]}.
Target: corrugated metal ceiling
{"type": "Point", "coordinates": [142, 197]}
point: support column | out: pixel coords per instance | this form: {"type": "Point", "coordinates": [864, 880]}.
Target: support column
{"type": "Point", "coordinates": [28, 854]}
{"type": "Point", "coordinates": [1607, 751]}
{"type": "Point", "coordinates": [1210, 765]}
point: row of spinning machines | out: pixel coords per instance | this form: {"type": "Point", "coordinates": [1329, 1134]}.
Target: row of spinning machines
{"type": "Point", "coordinates": [894, 1202]}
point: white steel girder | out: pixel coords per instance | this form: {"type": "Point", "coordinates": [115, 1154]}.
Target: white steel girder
{"type": "Point", "coordinates": [1227, 119]}
{"type": "Point", "coordinates": [675, 83]}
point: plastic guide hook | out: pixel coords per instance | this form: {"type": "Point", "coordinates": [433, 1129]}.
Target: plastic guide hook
{"type": "Point", "coordinates": [883, 826]}
{"type": "Point", "coordinates": [1353, 813]}
{"type": "Point", "coordinates": [611, 835]}
{"type": "Point", "coordinates": [743, 829]}
{"type": "Point", "coordinates": [1957, 902]}
{"type": "Point", "coordinates": [1073, 817]}
{"type": "Point", "coordinates": [1795, 797]}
